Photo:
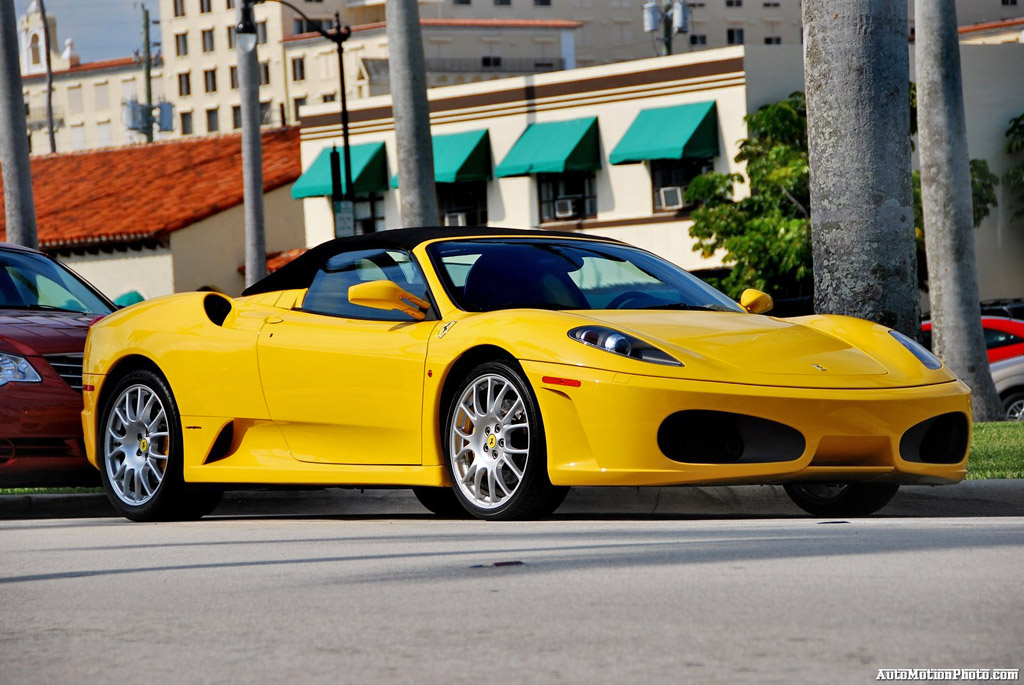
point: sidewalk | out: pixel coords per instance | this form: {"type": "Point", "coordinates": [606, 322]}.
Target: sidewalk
{"type": "Point", "coordinates": [970, 498]}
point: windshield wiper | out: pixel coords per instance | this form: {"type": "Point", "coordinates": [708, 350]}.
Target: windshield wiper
{"type": "Point", "coordinates": [682, 306]}
{"type": "Point", "coordinates": [41, 307]}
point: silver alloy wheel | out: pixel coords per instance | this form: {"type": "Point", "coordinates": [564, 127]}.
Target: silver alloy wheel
{"type": "Point", "coordinates": [489, 439]}
{"type": "Point", "coordinates": [136, 445]}
{"type": "Point", "coordinates": [1015, 412]}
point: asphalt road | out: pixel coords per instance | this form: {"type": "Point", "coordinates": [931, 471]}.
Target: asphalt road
{"type": "Point", "coordinates": [579, 598]}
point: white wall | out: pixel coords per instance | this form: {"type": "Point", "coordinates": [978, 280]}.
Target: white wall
{"type": "Point", "coordinates": [149, 271]}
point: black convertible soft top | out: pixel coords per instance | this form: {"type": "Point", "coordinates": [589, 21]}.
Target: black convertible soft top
{"type": "Point", "coordinates": [299, 272]}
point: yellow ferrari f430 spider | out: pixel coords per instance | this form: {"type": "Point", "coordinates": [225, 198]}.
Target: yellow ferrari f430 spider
{"type": "Point", "coordinates": [490, 370]}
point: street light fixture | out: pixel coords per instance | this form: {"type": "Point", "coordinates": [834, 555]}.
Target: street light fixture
{"type": "Point", "coordinates": [344, 211]}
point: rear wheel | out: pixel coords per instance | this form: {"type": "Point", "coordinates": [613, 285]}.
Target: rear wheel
{"type": "Point", "coordinates": [841, 499]}
{"type": "Point", "coordinates": [1014, 405]}
{"type": "Point", "coordinates": [495, 451]}
{"type": "Point", "coordinates": [140, 453]}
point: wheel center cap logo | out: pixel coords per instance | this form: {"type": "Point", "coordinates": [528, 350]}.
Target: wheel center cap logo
{"type": "Point", "coordinates": [144, 445]}
{"type": "Point", "coordinates": [491, 441]}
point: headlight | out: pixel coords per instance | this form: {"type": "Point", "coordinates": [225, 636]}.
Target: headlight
{"type": "Point", "coordinates": [15, 369]}
{"type": "Point", "coordinates": [616, 342]}
{"type": "Point", "coordinates": [918, 350]}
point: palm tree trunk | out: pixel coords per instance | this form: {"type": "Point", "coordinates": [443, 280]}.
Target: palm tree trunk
{"type": "Point", "coordinates": [957, 335]}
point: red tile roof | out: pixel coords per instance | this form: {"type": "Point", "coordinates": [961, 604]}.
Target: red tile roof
{"type": "Point", "coordinates": [275, 260]}
{"type": "Point", "coordinates": [89, 66]}
{"type": "Point", "coordinates": [460, 24]}
{"type": "Point", "coordinates": [145, 192]}
{"type": "Point", "coordinates": [991, 25]}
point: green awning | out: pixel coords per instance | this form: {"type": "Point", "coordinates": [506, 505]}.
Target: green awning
{"type": "Point", "coordinates": [670, 133]}
{"type": "Point", "coordinates": [369, 172]}
{"type": "Point", "coordinates": [460, 157]}
{"type": "Point", "coordinates": [554, 147]}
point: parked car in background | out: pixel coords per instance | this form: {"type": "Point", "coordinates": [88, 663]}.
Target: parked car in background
{"type": "Point", "coordinates": [45, 312]}
{"type": "Point", "coordinates": [1004, 338]}
{"type": "Point", "coordinates": [1009, 377]}
{"type": "Point", "coordinates": [1010, 308]}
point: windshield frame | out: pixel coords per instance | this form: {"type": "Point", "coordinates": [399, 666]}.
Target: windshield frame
{"type": "Point", "coordinates": [33, 256]}
{"type": "Point", "coordinates": [437, 264]}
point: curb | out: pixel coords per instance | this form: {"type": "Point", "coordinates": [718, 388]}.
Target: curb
{"type": "Point", "coordinates": [970, 498]}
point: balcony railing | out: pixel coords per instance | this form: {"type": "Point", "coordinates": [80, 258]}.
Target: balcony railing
{"type": "Point", "coordinates": [35, 117]}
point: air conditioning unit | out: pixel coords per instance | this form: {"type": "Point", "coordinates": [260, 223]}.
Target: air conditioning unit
{"type": "Point", "coordinates": [671, 197]}
{"type": "Point", "coordinates": [565, 209]}
{"type": "Point", "coordinates": [457, 219]}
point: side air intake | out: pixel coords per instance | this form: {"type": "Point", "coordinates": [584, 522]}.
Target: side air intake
{"type": "Point", "coordinates": [718, 437]}
{"type": "Point", "coordinates": [217, 308]}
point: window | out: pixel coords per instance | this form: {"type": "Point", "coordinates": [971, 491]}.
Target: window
{"type": "Point", "coordinates": [230, 4]}
{"type": "Point", "coordinates": [210, 80]}
{"type": "Point", "coordinates": [34, 47]}
{"type": "Point", "coordinates": [129, 90]}
{"type": "Point", "coordinates": [304, 26]}
{"type": "Point", "coordinates": [78, 137]}
{"type": "Point", "coordinates": [328, 97]}
{"type": "Point", "coordinates": [328, 293]}
{"type": "Point", "coordinates": [212, 120]}
{"type": "Point", "coordinates": [734, 3]}
{"type": "Point", "coordinates": [994, 339]}
{"type": "Point", "coordinates": [186, 123]}
{"type": "Point", "coordinates": [205, 6]}
{"type": "Point", "coordinates": [568, 196]}
{"type": "Point", "coordinates": [698, 39]}
{"type": "Point", "coordinates": [233, 76]}
{"type": "Point", "coordinates": [298, 69]}
{"type": "Point", "coordinates": [208, 40]}
{"type": "Point", "coordinates": [542, 3]}
{"type": "Point", "coordinates": [101, 95]}
{"type": "Point", "coordinates": [184, 84]}
{"type": "Point", "coordinates": [264, 73]}
{"type": "Point", "coordinates": [1009, 3]}
{"type": "Point", "coordinates": [261, 32]}
{"type": "Point", "coordinates": [181, 44]}
{"type": "Point", "coordinates": [675, 173]}
{"type": "Point", "coordinates": [496, 274]}
{"type": "Point", "coordinates": [298, 104]}
{"type": "Point", "coordinates": [734, 36]}
{"type": "Point", "coordinates": [236, 117]}
{"type": "Point", "coordinates": [179, 8]}
{"type": "Point", "coordinates": [460, 2]}
{"type": "Point", "coordinates": [266, 113]}
{"type": "Point", "coordinates": [231, 37]}
{"type": "Point", "coordinates": [75, 99]}
{"type": "Point", "coordinates": [467, 198]}
{"type": "Point", "coordinates": [491, 61]}
{"type": "Point", "coordinates": [502, 3]}
{"type": "Point", "coordinates": [772, 40]}
{"type": "Point", "coordinates": [771, 4]}
{"type": "Point", "coordinates": [103, 133]}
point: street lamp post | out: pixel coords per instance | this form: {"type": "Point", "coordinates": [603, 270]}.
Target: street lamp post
{"type": "Point", "coordinates": [341, 196]}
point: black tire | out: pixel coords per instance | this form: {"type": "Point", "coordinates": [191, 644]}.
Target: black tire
{"type": "Point", "coordinates": [170, 498]}
{"type": "Point", "coordinates": [441, 501]}
{"type": "Point", "coordinates": [1014, 398]}
{"type": "Point", "coordinates": [841, 499]}
{"type": "Point", "coordinates": [534, 495]}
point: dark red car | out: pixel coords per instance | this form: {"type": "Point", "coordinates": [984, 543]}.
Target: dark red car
{"type": "Point", "coordinates": [1004, 337]}
{"type": "Point", "coordinates": [45, 311]}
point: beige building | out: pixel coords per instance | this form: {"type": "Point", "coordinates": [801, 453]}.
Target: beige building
{"type": "Point", "coordinates": [88, 97]}
{"type": "Point", "coordinates": [606, 149]}
{"type": "Point", "coordinates": [993, 33]}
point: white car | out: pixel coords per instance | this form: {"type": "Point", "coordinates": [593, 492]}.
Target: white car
{"type": "Point", "coordinates": [1009, 377]}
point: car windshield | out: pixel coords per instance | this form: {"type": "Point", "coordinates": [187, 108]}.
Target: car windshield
{"type": "Point", "coordinates": [492, 274]}
{"type": "Point", "coordinates": [32, 281]}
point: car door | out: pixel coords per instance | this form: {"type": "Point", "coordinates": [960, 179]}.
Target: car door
{"type": "Point", "coordinates": [345, 382]}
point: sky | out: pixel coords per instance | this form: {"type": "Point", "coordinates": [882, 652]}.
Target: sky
{"type": "Point", "coordinates": [101, 29]}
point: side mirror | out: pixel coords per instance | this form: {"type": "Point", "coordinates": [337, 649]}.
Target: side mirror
{"type": "Point", "coordinates": [387, 295]}
{"type": "Point", "coordinates": [755, 301]}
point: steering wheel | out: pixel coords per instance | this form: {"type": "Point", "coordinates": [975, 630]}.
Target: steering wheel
{"type": "Point", "coordinates": [622, 298]}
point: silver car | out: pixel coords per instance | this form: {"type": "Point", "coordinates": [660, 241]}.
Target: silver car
{"type": "Point", "coordinates": [1009, 377]}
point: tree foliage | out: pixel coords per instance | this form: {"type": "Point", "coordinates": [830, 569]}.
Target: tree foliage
{"type": "Point", "coordinates": [766, 236]}
{"type": "Point", "coordinates": [1015, 176]}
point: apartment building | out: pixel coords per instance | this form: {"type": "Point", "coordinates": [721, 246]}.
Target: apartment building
{"type": "Point", "coordinates": [88, 97]}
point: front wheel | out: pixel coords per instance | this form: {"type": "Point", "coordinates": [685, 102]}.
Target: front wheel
{"type": "Point", "coordinates": [1014, 406]}
{"type": "Point", "coordinates": [140, 453]}
{"type": "Point", "coordinates": [495, 451]}
{"type": "Point", "coordinates": [841, 499]}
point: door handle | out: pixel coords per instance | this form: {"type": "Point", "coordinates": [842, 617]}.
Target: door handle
{"type": "Point", "coordinates": [273, 319]}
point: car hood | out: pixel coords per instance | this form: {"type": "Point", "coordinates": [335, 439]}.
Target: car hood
{"type": "Point", "coordinates": [43, 332]}
{"type": "Point", "coordinates": [812, 352]}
